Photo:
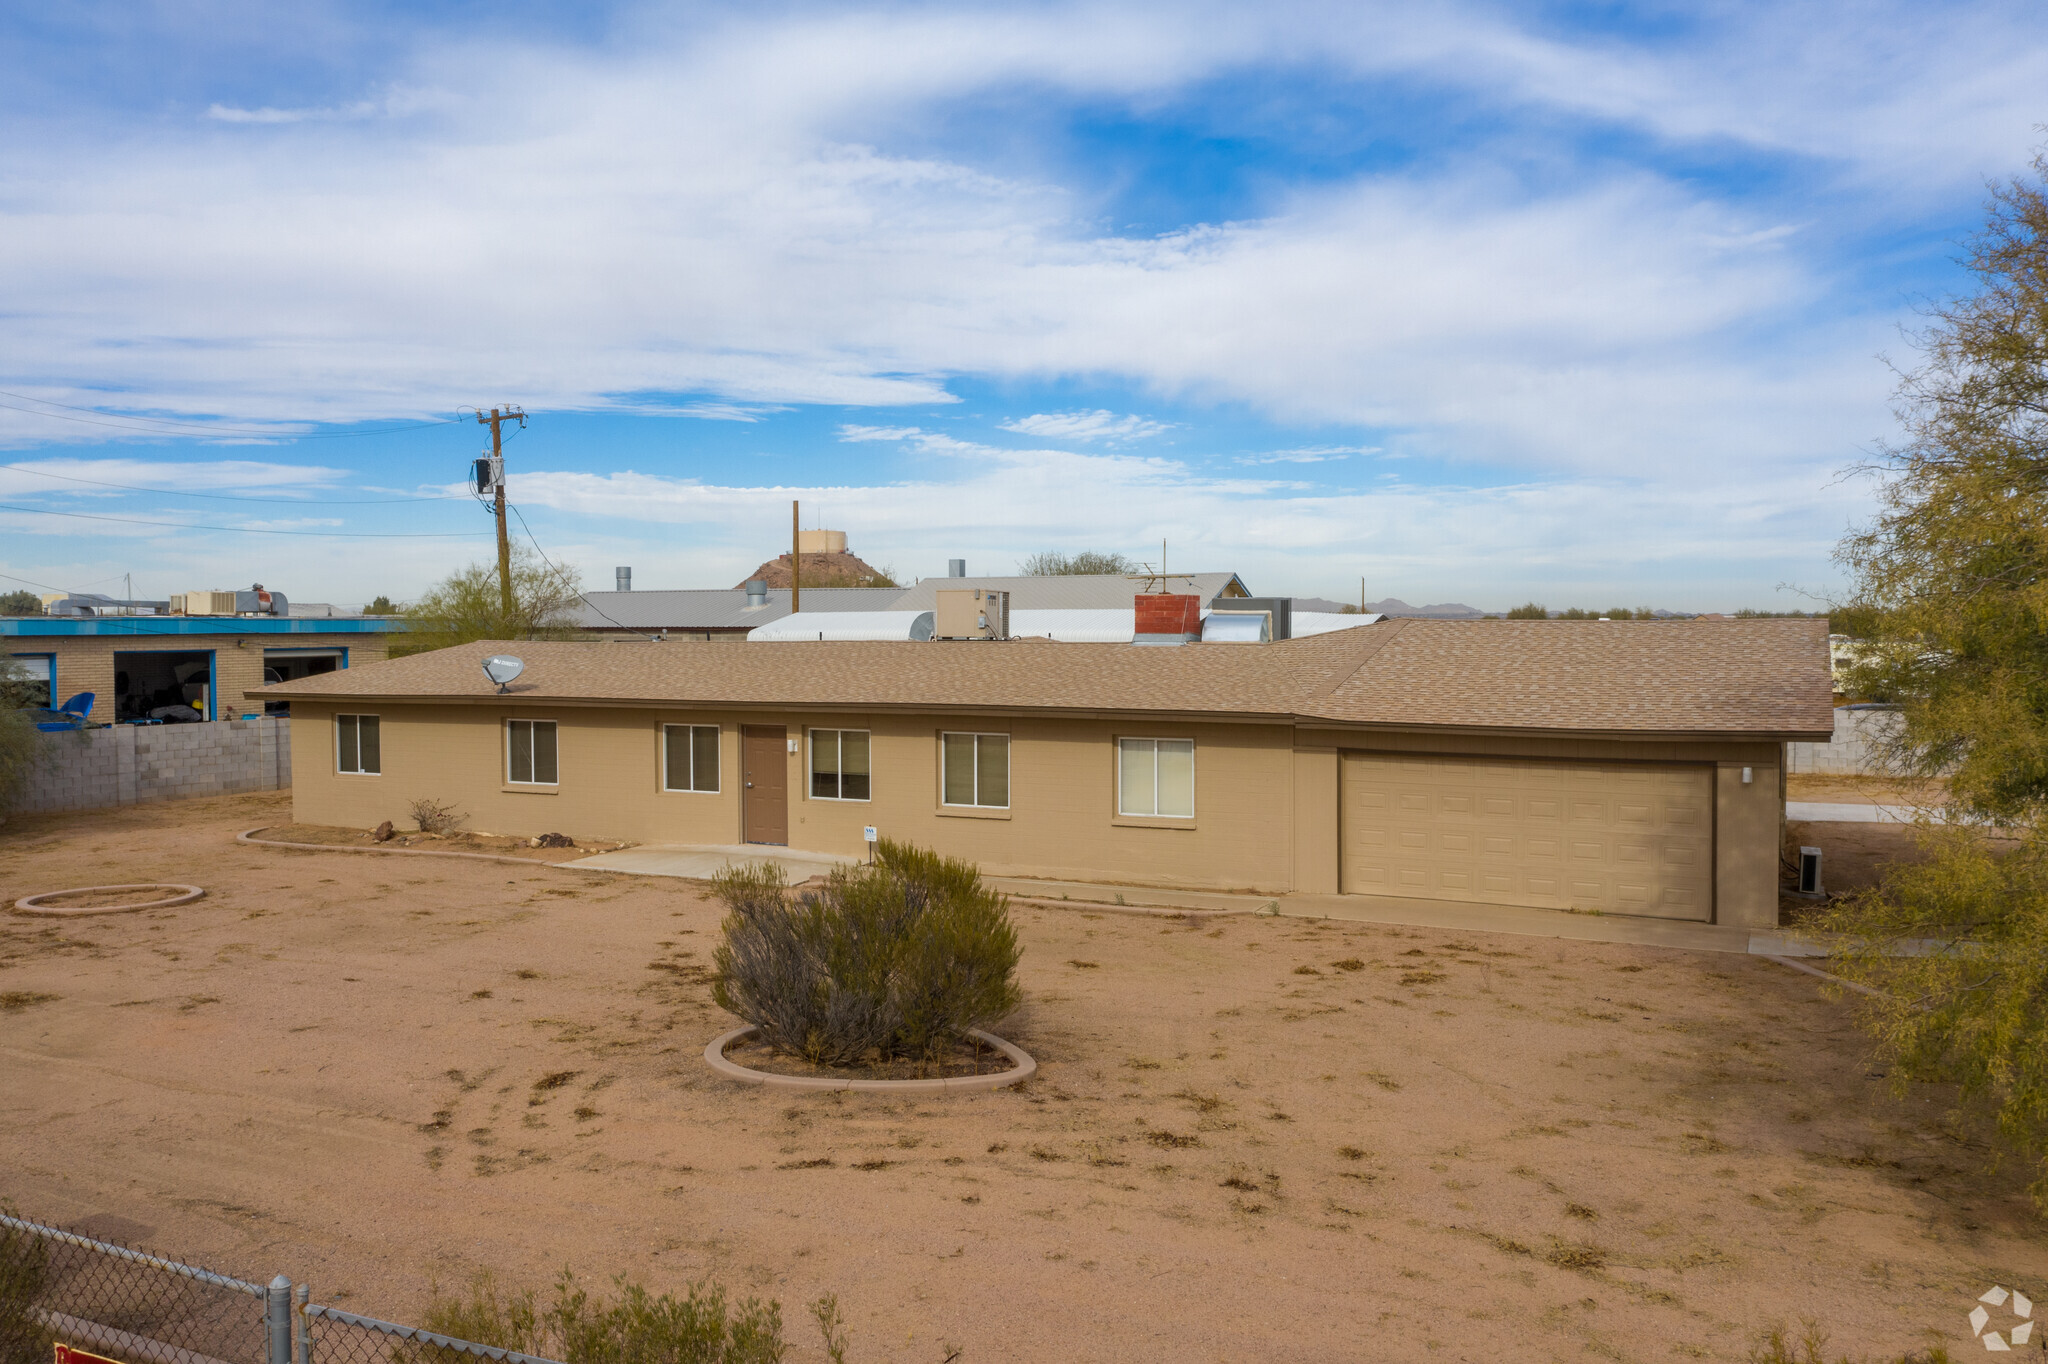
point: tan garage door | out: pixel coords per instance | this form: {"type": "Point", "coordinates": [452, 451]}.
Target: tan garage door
{"type": "Point", "coordinates": [1621, 839]}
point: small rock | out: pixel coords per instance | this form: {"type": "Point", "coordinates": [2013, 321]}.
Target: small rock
{"type": "Point", "coordinates": [382, 833]}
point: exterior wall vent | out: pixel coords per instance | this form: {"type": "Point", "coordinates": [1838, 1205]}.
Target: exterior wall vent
{"type": "Point", "coordinates": [1167, 618]}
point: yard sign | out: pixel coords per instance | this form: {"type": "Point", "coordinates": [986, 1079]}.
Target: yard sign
{"type": "Point", "coordinates": [71, 1354]}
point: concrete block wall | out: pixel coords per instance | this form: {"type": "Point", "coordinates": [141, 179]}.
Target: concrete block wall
{"type": "Point", "coordinates": [1853, 750]}
{"type": "Point", "coordinates": [136, 764]}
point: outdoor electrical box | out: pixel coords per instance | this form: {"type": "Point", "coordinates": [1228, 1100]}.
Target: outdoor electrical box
{"type": "Point", "coordinates": [972, 613]}
{"type": "Point", "coordinates": [1809, 872]}
{"type": "Point", "coordinates": [489, 473]}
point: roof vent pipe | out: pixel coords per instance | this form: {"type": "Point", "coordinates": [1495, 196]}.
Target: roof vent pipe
{"type": "Point", "coordinates": [624, 578]}
{"type": "Point", "coordinates": [757, 593]}
{"type": "Point", "coordinates": [956, 568]}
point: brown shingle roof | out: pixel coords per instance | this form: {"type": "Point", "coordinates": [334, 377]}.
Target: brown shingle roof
{"type": "Point", "coordinates": [1733, 678]}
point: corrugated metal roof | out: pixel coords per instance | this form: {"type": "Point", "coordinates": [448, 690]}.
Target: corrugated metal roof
{"type": "Point", "coordinates": [827, 626]}
{"type": "Point", "coordinates": [1306, 623]}
{"type": "Point", "coordinates": [1075, 592]}
{"type": "Point", "coordinates": [1075, 627]}
{"type": "Point", "coordinates": [1732, 679]}
{"type": "Point", "coordinates": [717, 608]}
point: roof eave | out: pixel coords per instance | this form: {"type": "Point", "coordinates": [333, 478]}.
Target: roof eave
{"type": "Point", "coordinates": [1298, 721]}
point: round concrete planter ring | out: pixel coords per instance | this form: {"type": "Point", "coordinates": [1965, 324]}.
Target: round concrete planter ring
{"type": "Point", "coordinates": [179, 895]}
{"type": "Point", "coordinates": [1023, 1070]}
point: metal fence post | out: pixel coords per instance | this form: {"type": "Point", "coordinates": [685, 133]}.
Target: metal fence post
{"type": "Point", "coordinates": [277, 1317]}
{"type": "Point", "coordinates": [302, 1295]}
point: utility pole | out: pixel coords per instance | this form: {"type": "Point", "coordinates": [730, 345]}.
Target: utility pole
{"type": "Point", "coordinates": [497, 417]}
{"type": "Point", "coordinates": [796, 560]}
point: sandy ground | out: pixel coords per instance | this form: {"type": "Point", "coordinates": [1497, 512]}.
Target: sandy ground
{"type": "Point", "coordinates": [497, 845]}
{"type": "Point", "coordinates": [1874, 790]}
{"type": "Point", "coordinates": [1254, 1139]}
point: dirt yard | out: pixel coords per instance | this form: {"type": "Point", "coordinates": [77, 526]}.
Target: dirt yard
{"type": "Point", "coordinates": [1254, 1139]}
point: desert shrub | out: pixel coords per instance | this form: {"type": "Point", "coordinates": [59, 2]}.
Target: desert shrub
{"type": "Point", "coordinates": [24, 1275]}
{"type": "Point", "coordinates": [642, 1328]}
{"type": "Point", "coordinates": [901, 958]}
{"type": "Point", "coordinates": [22, 746]}
{"type": "Point", "coordinates": [637, 1327]}
{"type": "Point", "coordinates": [435, 816]}
{"type": "Point", "coordinates": [510, 1322]}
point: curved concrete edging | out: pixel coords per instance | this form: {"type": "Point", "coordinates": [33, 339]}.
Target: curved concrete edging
{"type": "Point", "coordinates": [187, 894]}
{"type": "Point", "coordinates": [248, 836]}
{"type": "Point", "coordinates": [1026, 1067]}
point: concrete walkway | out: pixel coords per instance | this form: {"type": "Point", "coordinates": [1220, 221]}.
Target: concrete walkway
{"type": "Point", "coordinates": [702, 861]}
{"type": "Point", "coordinates": [1845, 812]}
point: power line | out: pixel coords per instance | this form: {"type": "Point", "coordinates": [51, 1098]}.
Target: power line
{"type": "Point", "coordinates": [154, 423]}
{"type": "Point", "coordinates": [228, 497]}
{"type": "Point", "coordinates": [584, 596]}
{"type": "Point", "coordinates": [252, 530]}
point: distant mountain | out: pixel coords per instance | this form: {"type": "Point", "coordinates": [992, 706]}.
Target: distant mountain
{"type": "Point", "coordinates": [1446, 610]}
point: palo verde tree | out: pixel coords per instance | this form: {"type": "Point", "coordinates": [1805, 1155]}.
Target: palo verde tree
{"type": "Point", "coordinates": [467, 606]}
{"type": "Point", "coordinates": [1951, 584]}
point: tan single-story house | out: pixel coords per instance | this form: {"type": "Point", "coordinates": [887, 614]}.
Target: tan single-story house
{"type": "Point", "coordinates": [1625, 767]}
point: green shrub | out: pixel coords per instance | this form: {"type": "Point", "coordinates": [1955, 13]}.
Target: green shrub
{"type": "Point", "coordinates": [642, 1328]}
{"type": "Point", "coordinates": [638, 1327]}
{"type": "Point", "coordinates": [511, 1322]}
{"type": "Point", "coordinates": [901, 958]}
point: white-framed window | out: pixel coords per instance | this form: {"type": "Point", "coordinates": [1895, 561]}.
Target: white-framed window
{"type": "Point", "coordinates": [689, 758]}
{"type": "Point", "coordinates": [358, 746]}
{"type": "Point", "coordinates": [1155, 778]}
{"type": "Point", "coordinates": [974, 769]}
{"type": "Point", "coordinates": [840, 764]}
{"type": "Point", "coordinates": [41, 668]}
{"type": "Point", "coordinates": [530, 753]}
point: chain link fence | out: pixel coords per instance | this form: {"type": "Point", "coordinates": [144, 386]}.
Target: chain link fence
{"type": "Point", "coordinates": [58, 1287]}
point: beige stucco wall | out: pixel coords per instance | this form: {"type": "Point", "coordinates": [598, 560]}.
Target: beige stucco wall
{"type": "Point", "coordinates": [1266, 797]}
{"type": "Point", "coordinates": [88, 663]}
{"type": "Point", "coordinates": [1747, 820]}
{"type": "Point", "coordinates": [1062, 821]}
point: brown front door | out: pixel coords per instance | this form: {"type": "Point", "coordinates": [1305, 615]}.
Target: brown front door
{"type": "Point", "coordinates": [764, 767]}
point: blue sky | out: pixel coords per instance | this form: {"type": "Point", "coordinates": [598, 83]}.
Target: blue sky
{"type": "Point", "coordinates": [1584, 303]}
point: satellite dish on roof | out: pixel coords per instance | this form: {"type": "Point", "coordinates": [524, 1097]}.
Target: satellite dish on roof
{"type": "Point", "coordinates": [502, 668]}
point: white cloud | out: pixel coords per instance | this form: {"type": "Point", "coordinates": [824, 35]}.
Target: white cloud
{"type": "Point", "coordinates": [227, 113]}
{"type": "Point", "coordinates": [707, 209]}
{"type": "Point", "coordinates": [113, 477]}
{"type": "Point", "coordinates": [726, 412]}
{"type": "Point", "coordinates": [1085, 426]}
{"type": "Point", "coordinates": [866, 433]}
{"type": "Point", "coordinates": [1437, 543]}
{"type": "Point", "coordinates": [1308, 454]}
